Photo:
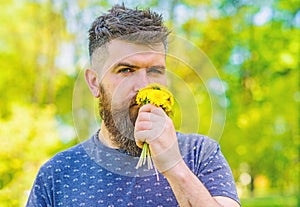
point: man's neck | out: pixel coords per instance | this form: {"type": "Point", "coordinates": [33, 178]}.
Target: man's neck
{"type": "Point", "coordinates": [104, 137]}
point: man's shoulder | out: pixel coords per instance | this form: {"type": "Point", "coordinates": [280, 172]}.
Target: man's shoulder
{"type": "Point", "coordinates": [194, 139]}
{"type": "Point", "coordinates": [72, 155]}
{"type": "Point", "coordinates": [197, 147]}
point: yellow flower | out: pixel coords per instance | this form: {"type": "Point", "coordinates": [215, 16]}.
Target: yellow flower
{"type": "Point", "coordinates": [157, 95]}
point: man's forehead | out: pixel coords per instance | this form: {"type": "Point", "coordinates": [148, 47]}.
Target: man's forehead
{"type": "Point", "coordinates": [118, 50]}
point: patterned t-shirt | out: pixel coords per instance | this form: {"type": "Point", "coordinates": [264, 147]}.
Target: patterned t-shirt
{"type": "Point", "coordinates": [91, 174]}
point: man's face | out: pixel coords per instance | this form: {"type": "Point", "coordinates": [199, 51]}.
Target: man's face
{"type": "Point", "coordinates": [127, 68]}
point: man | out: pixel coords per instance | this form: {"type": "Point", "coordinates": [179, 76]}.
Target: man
{"type": "Point", "coordinates": [128, 50]}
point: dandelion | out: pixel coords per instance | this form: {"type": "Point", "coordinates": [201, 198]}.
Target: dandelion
{"type": "Point", "coordinates": [159, 96]}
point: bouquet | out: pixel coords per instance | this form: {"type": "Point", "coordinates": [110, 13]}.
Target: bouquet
{"type": "Point", "coordinates": [159, 96]}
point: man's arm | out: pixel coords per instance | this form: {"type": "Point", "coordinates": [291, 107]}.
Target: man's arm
{"type": "Point", "coordinates": [189, 191]}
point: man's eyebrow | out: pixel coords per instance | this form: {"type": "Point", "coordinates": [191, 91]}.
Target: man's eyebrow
{"type": "Point", "coordinates": [158, 67]}
{"type": "Point", "coordinates": [122, 64]}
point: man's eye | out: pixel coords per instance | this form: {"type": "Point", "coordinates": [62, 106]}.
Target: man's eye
{"type": "Point", "coordinates": [125, 70]}
{"type": "Point", "coordinates": [155, 70]}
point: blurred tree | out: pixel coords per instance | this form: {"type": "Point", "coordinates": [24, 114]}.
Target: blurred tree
{"type": "Point", "coordinates": [256, 55]}
{"type": "Point", "coordinates": [28, 138]}
{"type": "Point", "coordinates": [30, 82]}
{"type": "Point", "coordinates": [255, 47]}
{"type": "Point", "coordinates": [28, 53]}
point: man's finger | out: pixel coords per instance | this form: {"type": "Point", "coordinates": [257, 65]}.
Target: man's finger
{"type": "Point", "coordinates": [143, 125]}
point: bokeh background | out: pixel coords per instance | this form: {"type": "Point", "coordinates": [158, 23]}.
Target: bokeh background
{"type": "Point", "coordinates": [254, 46]}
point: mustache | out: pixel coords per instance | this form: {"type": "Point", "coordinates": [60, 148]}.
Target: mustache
{"type": "Point", "coordinates": [132, 101]}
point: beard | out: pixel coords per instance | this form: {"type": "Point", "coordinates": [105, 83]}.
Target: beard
{"type": "Point", "coordinates": [119, 122]}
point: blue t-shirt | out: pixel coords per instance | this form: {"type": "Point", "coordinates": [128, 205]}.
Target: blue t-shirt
{"type": "Point", "coordinates": [91, 174]}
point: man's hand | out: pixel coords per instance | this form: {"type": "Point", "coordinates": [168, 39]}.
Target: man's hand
{"type": "Point", "coordinates": [156, 128]}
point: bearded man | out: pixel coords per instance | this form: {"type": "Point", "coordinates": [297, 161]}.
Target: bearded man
{"type": "Point", "coordinates": [128, 51]}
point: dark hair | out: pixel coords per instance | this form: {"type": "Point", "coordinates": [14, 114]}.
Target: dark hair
{"type": "Point", "coordinates": [133, 25]}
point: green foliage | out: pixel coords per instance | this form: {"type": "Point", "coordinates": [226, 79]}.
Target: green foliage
{"type": "Point", "coordinates": [271, 201]}
{"type": "Point", "coordinates": [30, 82]}
{"type": "Point", "coordinates": [28, 138]}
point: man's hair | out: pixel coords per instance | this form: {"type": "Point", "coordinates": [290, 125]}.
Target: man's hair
{"type": "Point", "coordinates": [133, 25]}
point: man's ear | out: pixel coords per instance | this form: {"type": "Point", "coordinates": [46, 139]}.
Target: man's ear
{"type": "Point", "coordinates": [91, 78]}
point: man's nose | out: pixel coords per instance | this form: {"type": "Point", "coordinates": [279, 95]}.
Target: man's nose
{"type": "Point", "coordinates": [142, 79]}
